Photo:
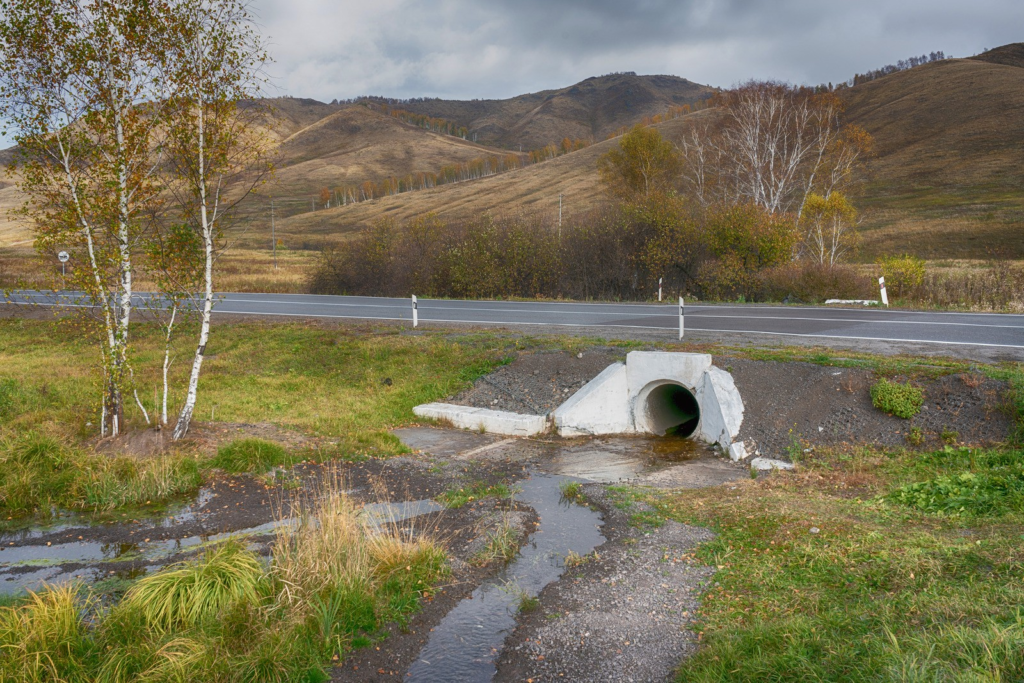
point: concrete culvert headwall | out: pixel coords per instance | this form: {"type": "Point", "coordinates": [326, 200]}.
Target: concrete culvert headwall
{"type": "Point", "coordinates": [671, 408]}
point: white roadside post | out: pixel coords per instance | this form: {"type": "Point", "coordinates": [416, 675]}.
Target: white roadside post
{"type": "Point", "coordinates": [659, 288]}
{"type": "Point", "coordinates": [415, 312]}
{"type": "Point", "coordinates": [885, 297]}
{"type": "Point", "coordinates": [680, 317]}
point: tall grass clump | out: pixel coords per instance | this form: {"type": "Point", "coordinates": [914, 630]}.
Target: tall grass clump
{"type": "Point", "coordinates": [45, 638]}
{"type": "Point", "coordinates": [186, 595]}
{"type": "Point", "coordinates": [250, 455]}
{"type": "Point", "coordinates": [332, 584]}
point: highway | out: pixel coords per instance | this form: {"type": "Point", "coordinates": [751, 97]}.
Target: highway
{"type": "Point", "coordinates": [1003, 331]}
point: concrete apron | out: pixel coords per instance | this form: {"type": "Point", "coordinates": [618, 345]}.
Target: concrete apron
{"type": "Point", "coordinates": [651, 393]}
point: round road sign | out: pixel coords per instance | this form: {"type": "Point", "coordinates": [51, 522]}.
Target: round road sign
{"type": "Point", "coordinates": [63, 257]}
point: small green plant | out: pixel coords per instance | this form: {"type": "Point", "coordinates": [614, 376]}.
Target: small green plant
{"type": "Point", "coordinates": [895, 398]}
{"type": "Point", "coordinates": [902, 273]}
{"type": "Point", "coordinates": [949, 436]}
{"type": "Point", "coordinates": [502, 544]}
{"type": "Point", "coordinates": [456, 498]}
{"type": "Point", "coordinates": [250, 455]}
{"type": "Point", "coordinates": [915, 437]}
{"type": "Point", "coordinates": [574, 559]}
{"type": "Point", "coordinates": [528, 603]}
{"type": "Point", "coordinates": [572, 491]}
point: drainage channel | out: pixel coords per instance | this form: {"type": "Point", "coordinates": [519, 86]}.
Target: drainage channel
{"type": "Point", "coordinates": [29, 567]}
{"type": "Point", "coordinates": [464, 646]}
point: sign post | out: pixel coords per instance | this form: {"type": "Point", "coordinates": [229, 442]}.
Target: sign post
{"type": "Point", "coordinates": [63, 257]}
{"type": "Point", "coordinates": [680, 317]}
{"type": "Point", "coordinates": [885, 297]}
{"type": "Point", "coordinates": [415, 312]}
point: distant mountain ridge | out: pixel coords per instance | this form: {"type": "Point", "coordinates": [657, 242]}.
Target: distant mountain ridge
{"type": "Point", "coordinates": [591, 109]}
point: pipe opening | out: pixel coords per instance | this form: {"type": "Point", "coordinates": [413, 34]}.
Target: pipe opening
{"type": "Point", "coordinates": [672, 409]}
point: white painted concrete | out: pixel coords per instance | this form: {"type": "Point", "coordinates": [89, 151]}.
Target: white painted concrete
{"type": "Point", "coordinates": [737, 452]}
{"type": "Point", "coordinates": [621, 400]}
{"type": "Point", "coordinates": [494, 421]}
{"type": "Point", "coordinates": [600, 407]}
{"type": "Point", "coordinates": [768, 464]}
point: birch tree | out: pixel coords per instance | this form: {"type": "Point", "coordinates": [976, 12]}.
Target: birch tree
{"type": "Point", "coordinates": [828, 227]}
{"type": "Point", "coordinates": [216, 150]}
{"type": "Point", "coordinates": [81, 89]}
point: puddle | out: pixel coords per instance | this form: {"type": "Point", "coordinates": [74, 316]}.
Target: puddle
{"type": "Point", "coordinates": [611, 459]}
{"type": "Point", "coordinates": [465, 644]}
{"type": "Point", "coordinates": [14, 560]}
{"type": "Point", "coordinates": [45, 561]}
{"type": "Point", "coordinates": [379, 515]}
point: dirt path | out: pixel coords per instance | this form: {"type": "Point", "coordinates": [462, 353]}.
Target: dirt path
{"type": "Point", "coordinates": [623, 615]}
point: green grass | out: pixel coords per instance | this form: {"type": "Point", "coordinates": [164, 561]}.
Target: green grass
{"type": "Point", "coordinates": [40, 473]}
{"type": "Point", "coordinates": [899, 399]}
{"type": "Point", "coordinates": [502, 545]}
{"type": "Point", "coordinates": [251, 455]}
{"type": "Point", "coordinates": [227, 615]}
{"type": "Point", "coordinates": [456, 498]}
{"type": "Point", "coordinates": [309, 378]}
{"type": "Point", "coordinates": [890, 589]}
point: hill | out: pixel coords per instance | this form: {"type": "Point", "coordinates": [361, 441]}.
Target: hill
{"type": "Point", "coordinates": [946, 180]}
{"type": "Point", "coordinates": [591, 109]}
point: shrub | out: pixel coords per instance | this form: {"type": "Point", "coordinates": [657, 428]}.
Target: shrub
{"type": "Point", "coordinates": [814, 283]}
{"type": "Point", "coordinates": [902, 273]}
{"type": "Point", "coordinates": [901, 400]}
{"type": "Point", "coordinates": [250, 455]}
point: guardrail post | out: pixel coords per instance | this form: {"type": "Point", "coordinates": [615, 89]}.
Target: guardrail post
{"type": "Point", "coordinates": [680, 317]}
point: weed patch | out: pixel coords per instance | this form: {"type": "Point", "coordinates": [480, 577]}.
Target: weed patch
{"type": "Point", "coordinates": [895, 398]}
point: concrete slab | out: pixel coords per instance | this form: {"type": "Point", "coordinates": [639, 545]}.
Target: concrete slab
{"type": "Point", "coordinates": [445, 443]}
{"type": "Point", "coordinates": [492, 421]}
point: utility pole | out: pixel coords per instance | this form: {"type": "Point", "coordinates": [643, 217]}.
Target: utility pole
{"type": "Point", "coordinates": [273, 232]}
{"type": "Point", "coordinates": [559, 217]}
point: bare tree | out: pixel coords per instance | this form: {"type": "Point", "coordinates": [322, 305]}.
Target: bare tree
{"type": "Point", "coordinates": [773, 145]}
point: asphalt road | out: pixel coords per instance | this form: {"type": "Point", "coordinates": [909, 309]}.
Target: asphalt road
{"type": "Point", "coordinates": [999, 331]}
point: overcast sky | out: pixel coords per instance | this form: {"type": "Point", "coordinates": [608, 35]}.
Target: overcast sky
{"type": "Point", "coordinates": [467, 49]}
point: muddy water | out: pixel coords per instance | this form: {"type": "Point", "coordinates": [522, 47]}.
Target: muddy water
{"type": "Point", "coordinates": [30, 566]}
{"type": "Point", "coordinates": [614, 458]}
{"type": "Point", "coordinates": [464, 645]}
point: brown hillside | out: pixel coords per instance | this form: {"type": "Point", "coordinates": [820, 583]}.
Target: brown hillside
{"type": "Point", "coordinates": [1008, 55]}
{"type": "Point", "coordinates": [591, 109]}
{"type": "Point", "coordinates": [353, 144]}
{"type": "Point", "coordinates": [947, 179]}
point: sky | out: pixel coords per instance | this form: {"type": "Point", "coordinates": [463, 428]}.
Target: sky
{"type": "Point", "coordinates": [467, 49]}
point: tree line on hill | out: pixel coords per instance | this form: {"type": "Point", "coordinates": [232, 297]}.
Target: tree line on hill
{"type": "Point", "coordinates": [449, 173]}
{"type": "Point", "coordinates": [744, 203]}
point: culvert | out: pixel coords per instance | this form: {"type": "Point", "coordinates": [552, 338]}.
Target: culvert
{"type": "Point", "coordinates": [671, 409]}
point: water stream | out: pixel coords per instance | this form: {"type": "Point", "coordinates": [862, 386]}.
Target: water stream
{"type": "Point", "coordinates": [465, 644]}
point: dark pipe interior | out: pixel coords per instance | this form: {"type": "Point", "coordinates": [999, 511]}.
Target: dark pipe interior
{"type": "Point", "coordinates": [673, 410]}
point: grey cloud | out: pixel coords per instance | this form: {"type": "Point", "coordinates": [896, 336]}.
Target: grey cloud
{"type": "Point", "coordinates": [500, 48]}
